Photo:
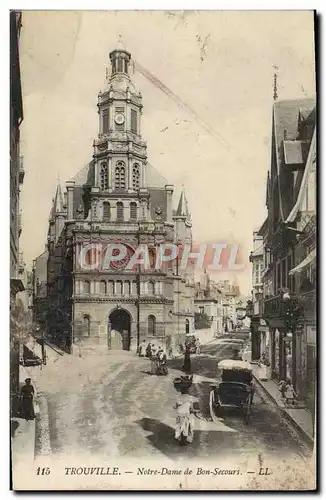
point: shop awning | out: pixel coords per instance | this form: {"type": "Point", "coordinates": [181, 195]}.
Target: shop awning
{"type": "Point", "coordinates": [308, 260]}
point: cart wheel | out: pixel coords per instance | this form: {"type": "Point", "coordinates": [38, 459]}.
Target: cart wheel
{"type": "Point", "coordinates": [213, 408]}
{"type": "Point", "coordinates": [247, 414]}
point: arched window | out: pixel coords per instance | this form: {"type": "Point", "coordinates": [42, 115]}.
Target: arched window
{"type": "Point", "coordinates": [120, 210]}
{"type": "Point", "coordinates": [86, 287]}
{"type": "Point", "coordinates": [104, 176]}
{"type": "Point", "coordinates": [151, 288]}
{"type": "Point", "coordinates": [106, 211]}
{"type": "Point", "coordinates": [120, 176]}
{"type": "Point", "coordinates": [103, 287]}
{"type": "Point", "coordinates": [87, 325]}
{"type": "Point", "coordinates": [133, 210]}
{"type": "Point", "coordinates": [135, 176]}
{"type": "Point", "coordinates": [151, 325]}
{"type": "Point", "coordinates": [187, 325]}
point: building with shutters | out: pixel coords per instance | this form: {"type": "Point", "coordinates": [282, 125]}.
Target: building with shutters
{"type": "Point", "coordinates": [118, 197]}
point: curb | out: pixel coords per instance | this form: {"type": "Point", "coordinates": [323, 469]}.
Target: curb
{"type": "Point", "coordinates": [309, 440]}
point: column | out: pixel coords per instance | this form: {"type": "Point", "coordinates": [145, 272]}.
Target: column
{"type": "Point", "coordinates": [129, 174]}
{"type": "Point", "coordinates": [169, 192]}
{"type": "Point", "coordinates": [111, 116]}
{"type": "Point", "coordinates": [123, 288]}
{"type": "Point", "coordinates": [70, 199]}
{"type": "Point", "coordinates": [97, 287]}
{"type": "Point", "coordinates": [110, 173]}
{"type": "Point", "coordinates": [126, 211]}
{"type": "Point", "coordinates": [145, 288]}
{"type": "Point", "coordinates": [142, 288]}
{"type": "Point", "coordinates": [143, 174]}
{"type": "Point", "coordinates": [157, 288]}
{"type": "Point", "coordinates": [92, 287]}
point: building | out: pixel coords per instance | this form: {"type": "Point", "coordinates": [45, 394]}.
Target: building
{"type": "Point", "coordinates": [39, 280]}
{"type": "Point", "coordinates": [259, 330]}
{"type": "Point", "coordinates": [289, 246]}
{"type": "Point", "coordinates": [16, 179]}
{"type": "Point", "coordinates": [208, 309]}
{"type": "Point", "coordinates": [118, 198]}
{"type": "Point", "coordinates": [230, 294]}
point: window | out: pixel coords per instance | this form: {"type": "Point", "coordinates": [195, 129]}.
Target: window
{"type": "Point", "coordinates": [187, 325]}
{"type": "Point", "coordinates": [133, 121]}
{"type": "Point", "coordinates": [87, 325]}
{"type": "Point", "coordinates": [151, 288]}
{"type": "Point", "coordinates": [103, 287]}
{"type": "Point", "coordinates": [120, 210]}
{"type": "Point", "coordinates": [120, 175]}
{"type": "Point", "coordinates": [151, 325]}
{"type": "Point", "coordinates": [106, 211]}
{"type": "Point", "coordinates": [135, 177]}
{"type": "Point", "coordinates": [201, 310]}
{"type": "Point", "coordinates": [133, 210]}
{"type": "Point", "coordinates": [104, 176]}
{"type": "Point", "coordinates": [120, 65]}
{"type": "Point", "coordinates": [87, 287]}
{"type": "Point", "coordinates": [105, 121]}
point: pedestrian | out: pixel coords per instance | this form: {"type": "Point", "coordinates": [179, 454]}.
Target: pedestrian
{"type": "Point", "coordinates": [154, 360]}
{"type": "Point", "coordinates": [142, 349]}
{"type": "Point", "coordinates": [26, 400]}
{"type": "Point", "coordinates": [149, 350]}
{"type": "Point", "coordinates": [197, 344]}
{"type": "Point", "coordinates": [162, 363]}
{"type": "Point", "coordinates": [187, 362]}
{"type": "Point", "coordinates": [236, 355]}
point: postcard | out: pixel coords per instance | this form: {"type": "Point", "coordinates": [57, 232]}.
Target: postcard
{"type": "Point", "coordinates": [163, 250]}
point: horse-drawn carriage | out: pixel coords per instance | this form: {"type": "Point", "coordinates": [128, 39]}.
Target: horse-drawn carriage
{"type": "Point", "coordinates": [235, 391]}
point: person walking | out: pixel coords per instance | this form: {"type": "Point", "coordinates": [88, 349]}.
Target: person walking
{"type": "Point", "coordinates": [27, 393]}
{"type": "Point", "coordinates": [187, 361]}
{"type": "Point", "coordinates": [153, 360]}
{"type": "Point", "coordinates": [142, 349]}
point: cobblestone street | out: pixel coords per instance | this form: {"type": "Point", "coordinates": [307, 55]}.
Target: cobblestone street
{"type": "Point", "coordinates": [109, 405]}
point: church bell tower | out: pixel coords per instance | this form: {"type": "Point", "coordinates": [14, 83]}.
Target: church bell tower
{"type": "Point", "coordinates": [119, 152]}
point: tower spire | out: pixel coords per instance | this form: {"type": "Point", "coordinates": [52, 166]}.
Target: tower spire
{"type": "Point", "coordinates": [182, 210]}
{"type": "Point", "coordinates": [275, 95]}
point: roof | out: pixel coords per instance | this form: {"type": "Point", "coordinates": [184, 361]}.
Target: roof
{"type": "Point", "coordinates": [154, 178]}
{"type": "Point", "coordinates": [309, 165]}
{"type": "Point", "coordinates": [232, 364]}
{"type": "Point", "coordinates": [259, 252]}
{"type": "Point", "coordinates": [286, 116]}
{"type": "Point", "coordinates": [182, 210]}
{"type": "Point", "coordinates": [293, 152]}
{"type": "Point", "coordinates": [57, 202]}
{"type": "Point", "coordinates": [85, 175]}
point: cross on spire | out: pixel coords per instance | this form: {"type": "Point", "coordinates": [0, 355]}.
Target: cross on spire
{"type": "Point", "coordinates": [275, 95]}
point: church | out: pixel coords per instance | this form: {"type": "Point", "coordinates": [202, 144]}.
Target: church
{"type": "Point", "coordinates": [118, 197]}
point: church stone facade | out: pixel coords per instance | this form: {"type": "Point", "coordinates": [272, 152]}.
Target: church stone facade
{"type": "Point", "coordinates": [118, 197]}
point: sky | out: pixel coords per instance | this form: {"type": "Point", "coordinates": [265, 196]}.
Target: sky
{"type": "Point", "coordinates": [220, 63]}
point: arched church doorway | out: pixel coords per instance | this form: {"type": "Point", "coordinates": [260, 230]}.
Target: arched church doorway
{"type": "Point", "coordinates": [119, 330]}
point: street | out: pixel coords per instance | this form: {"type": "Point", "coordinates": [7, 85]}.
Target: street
{"type": "Point", "coordinates": [109, 405]}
